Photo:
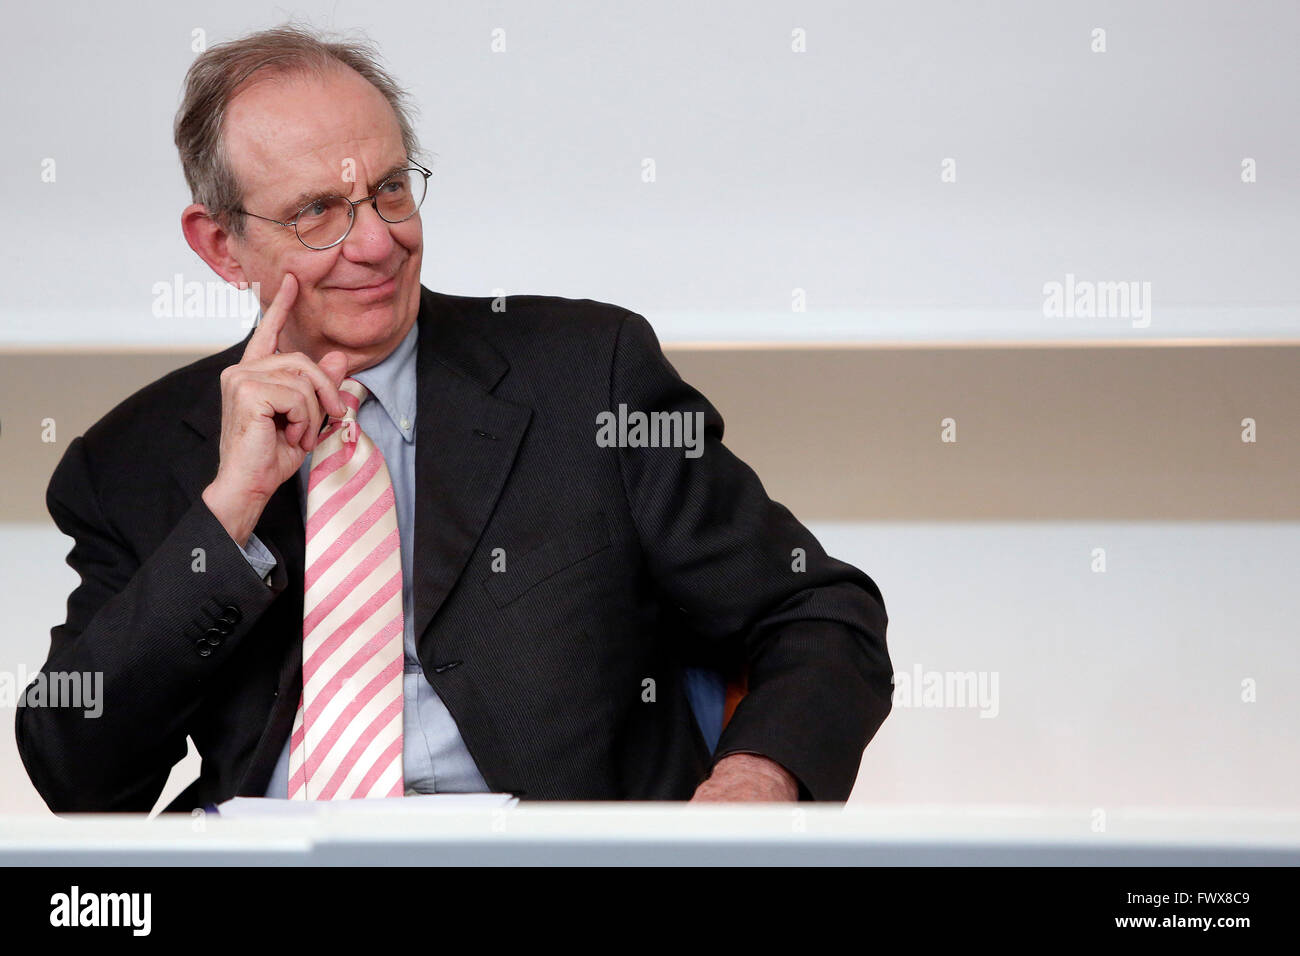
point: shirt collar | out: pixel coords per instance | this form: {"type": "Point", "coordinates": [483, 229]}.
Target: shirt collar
{"type": "Point", "coordinates": [392, 383]}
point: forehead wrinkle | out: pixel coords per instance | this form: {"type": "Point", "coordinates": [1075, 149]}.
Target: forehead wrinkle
{"type": "Point", "coordinates": [338, 117]}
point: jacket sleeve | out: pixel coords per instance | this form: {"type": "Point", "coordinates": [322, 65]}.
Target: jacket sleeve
{"type": "Point", "coordinates": [745, 571]}
{"type": "Point", "coordinates": [146, 634]}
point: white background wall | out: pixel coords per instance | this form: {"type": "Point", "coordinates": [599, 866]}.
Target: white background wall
{"type": "Point", "coordinates": [775, 170]}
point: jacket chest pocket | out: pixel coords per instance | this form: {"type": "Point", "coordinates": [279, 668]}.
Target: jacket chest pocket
{"type": "Point", "coordinates": [588, 536]}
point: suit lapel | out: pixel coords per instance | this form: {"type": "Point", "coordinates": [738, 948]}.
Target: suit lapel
{"type": "Point", "coordinates": [195, 467]}
{"type": "Point", "coordinates": [466, 442]}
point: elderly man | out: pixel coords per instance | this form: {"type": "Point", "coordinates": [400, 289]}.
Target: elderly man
{"type": "Point", "coordinates": [383, 546]}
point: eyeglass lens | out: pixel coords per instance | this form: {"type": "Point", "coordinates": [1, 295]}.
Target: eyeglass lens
{"type": "Point", "coordinates": [326, 221]}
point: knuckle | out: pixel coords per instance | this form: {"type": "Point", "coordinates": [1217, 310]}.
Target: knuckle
{"type": "Point", "coordinates": [292, 363]}
{"type": "Point", "coordinates": [303, 364]}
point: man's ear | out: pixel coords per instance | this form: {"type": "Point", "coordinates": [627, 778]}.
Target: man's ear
{"type": "Point", "coordinates": [212, 243]}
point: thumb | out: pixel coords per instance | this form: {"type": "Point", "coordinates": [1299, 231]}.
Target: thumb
{"type": "Point", "coordinates": [335, 365]}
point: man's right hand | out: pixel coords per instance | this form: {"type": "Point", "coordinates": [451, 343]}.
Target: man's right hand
{"type": "Point", "coordinates": [272, 407]}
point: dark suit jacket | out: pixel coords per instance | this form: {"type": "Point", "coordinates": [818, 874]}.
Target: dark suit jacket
{"type": "Point", "coordinates": [623, 566]}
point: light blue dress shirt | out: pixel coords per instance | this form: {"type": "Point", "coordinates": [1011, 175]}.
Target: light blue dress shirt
{"type": "Point", "coordinates": [434, 756]}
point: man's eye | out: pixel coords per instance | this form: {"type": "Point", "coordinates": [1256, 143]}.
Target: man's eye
{"type": "Point", "coordinates": [315, 210]}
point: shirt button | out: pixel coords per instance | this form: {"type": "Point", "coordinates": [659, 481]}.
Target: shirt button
{"type": "Point", "coordinates": [406, 423]}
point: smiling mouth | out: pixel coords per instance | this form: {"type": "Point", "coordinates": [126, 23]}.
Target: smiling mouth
{"type": "Point", "coordinates": [366, 288]}
{"type": "Point", "coordinates": [372, 293]}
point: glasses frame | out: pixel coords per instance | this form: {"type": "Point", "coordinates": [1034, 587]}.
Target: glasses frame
{"type": "Point", "coordinates": [352, 207]}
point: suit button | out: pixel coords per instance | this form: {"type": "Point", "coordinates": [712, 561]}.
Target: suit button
{"type": "Point", "coordinates": [230, 615]}
{"type": "Point", "coordinates": [203, 649]}
{"type": "Point", "coordinates": [214, 636]}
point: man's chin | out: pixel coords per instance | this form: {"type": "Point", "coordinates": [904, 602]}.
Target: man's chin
{"type": "Point", "coordinates": [361, 328]}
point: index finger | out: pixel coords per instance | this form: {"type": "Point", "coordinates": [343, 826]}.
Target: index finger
{"type": "Point", "coordinates": [265, 337]}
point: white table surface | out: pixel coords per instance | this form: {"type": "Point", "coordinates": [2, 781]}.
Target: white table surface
{"type": "Point", "coordinates": [648, 833]}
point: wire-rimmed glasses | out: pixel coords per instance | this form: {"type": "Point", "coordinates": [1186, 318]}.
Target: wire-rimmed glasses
{"type": "Point", "coordinates": [325, 222]}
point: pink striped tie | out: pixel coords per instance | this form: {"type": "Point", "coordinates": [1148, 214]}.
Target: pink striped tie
{"type": "Point", "coordinates": [347, 734]}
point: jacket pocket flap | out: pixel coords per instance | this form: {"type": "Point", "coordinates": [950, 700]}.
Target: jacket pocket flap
{"type": "Point", "coordinates": [522, 572]}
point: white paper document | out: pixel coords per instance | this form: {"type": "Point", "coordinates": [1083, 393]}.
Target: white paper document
{"type": "Point", "coordinates": [272, 807]}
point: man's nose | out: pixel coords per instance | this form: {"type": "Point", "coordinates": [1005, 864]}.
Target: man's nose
{"type": "Point", "coordinates": [371, 237]}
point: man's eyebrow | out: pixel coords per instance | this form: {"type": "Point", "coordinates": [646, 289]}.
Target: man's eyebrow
{"type": "Point", "coordinates": [294, 205]}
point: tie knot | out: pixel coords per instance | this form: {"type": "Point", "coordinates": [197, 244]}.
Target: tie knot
{"type": "Point", "coordinates": [354, 395]}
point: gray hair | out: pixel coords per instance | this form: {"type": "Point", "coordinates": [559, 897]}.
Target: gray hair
{"type": "Point", "coordinates": [220, 72]}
